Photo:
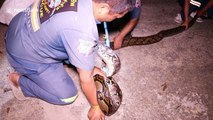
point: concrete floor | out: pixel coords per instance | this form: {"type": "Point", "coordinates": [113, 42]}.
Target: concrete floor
{"type": "Point", "coordinates": [169, 80]}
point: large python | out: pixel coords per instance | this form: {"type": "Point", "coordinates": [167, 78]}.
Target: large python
{"type": "Point", "coordinates": [132, 41]}
{"type": "Point", "coordinates": [109, 94]}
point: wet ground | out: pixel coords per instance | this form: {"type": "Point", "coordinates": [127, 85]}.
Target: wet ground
{"type": "Point", "coordinates": [168, 80]}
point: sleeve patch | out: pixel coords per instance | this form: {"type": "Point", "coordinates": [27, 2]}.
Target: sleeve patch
{"type": "Point", "coordinates": [86, 47]}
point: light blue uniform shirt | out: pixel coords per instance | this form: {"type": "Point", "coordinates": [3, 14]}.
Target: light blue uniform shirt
{"type": "Point", "coordinates": [68, 35]}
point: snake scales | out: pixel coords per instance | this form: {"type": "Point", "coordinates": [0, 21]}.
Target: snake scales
{"type": "Point", "coordinates": [132, 41]}
{"type": "Point", "coordinates": [109, 94]}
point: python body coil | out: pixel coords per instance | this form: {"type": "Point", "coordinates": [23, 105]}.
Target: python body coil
{"type": "Point", "coordinates": [109, 94]}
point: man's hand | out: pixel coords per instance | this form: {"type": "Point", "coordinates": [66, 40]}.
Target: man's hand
{"type": "Point", "coordinates": [185, 23]}
{"type": "Point", "coordinates": [118, 40]}
{"type": "Point", "coordinates": [97, 70]}
{"type": "Point", "coordinates": [89, 89]}
{"type": "Point", "coordinates": [95, 114]}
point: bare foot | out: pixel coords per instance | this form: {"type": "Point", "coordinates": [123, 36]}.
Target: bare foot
{"type": "Point", "coordinates": [14, 78]}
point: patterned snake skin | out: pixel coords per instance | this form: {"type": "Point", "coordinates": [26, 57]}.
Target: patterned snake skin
{"type": "Point", "coordinates": [109, 94]}
{"type": "Point", "coordinates": [132, 41]}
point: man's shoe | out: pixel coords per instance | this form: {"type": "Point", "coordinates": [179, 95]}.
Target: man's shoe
{"type": "Point", "coordinates": [178, 18]}
{"type": "Point", "coordinates": [199, 19]}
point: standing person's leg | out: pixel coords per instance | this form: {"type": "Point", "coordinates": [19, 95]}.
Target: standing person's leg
{"type": "Point", "coordinates": [52, 85]}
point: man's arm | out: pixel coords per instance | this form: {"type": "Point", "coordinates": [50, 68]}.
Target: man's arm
{"type": "Point", "coordinates": [199, 13]}
{"type": "Point", "coordinates": [204, 9]}
{"type": "Point", "coordinates": [127, 28]}
{"type": "Point", "coordinates": [88, 87]}
{"type": "Point", "coordinates": [134, 18]}
{"type": "Point", "coordinates": [186, 13]}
